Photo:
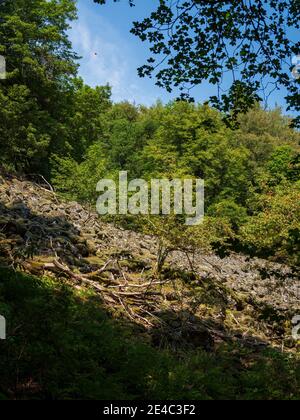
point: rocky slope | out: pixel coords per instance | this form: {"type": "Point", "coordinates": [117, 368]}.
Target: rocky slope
{"type": "Point", "coordinates": [235, 299]}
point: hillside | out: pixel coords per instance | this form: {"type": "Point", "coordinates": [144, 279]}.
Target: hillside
{"type": "Point", "coordinates": [243, 304]}
{"type": "Point", "coordinates": [142, 303]}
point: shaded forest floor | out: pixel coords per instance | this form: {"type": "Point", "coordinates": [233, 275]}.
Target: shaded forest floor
{"type": "Point", "coordinates": [89, 318]}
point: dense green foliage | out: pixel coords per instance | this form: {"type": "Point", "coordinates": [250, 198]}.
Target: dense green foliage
{"type": "Point", "coordinates": [35, 97]}
{"type": "Point", "coordinates": [43, 106]}
{"type": "Point", "coordinates": [251, 174]}
{"type": "Point", "coordinates": [53, 124]}
{"type": "Point", "coordinates": [62, 345]}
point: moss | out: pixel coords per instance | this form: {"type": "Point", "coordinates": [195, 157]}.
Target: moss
{"type": "Point", "coordinates": [95, 260]}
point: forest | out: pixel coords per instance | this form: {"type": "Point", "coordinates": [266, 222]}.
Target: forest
{"type": "Point", "coordinates": [59, 134]}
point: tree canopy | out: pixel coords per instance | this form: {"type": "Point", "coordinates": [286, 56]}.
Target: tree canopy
{"type": "Point", "coordinates": [36, 95]}
{"type": "Point", "coordinates": [251, 174]}
{"type": "Point", "coordinates": [243, 47]}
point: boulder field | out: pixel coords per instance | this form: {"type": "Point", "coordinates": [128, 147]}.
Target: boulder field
{"type": "Point", "coordinates": [235, 299]}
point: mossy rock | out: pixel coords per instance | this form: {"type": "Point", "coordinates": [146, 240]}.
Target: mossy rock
{"type": "Point", "coordinates": [91, 247]}
{"type": "Point", "coordinates": [135, 264]}
{"type": "Point", "coordinates": [170, 273]}
{"type": "Point", "coordinates": [95, 260]}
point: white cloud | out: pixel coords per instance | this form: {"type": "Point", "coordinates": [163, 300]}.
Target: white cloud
{"type": "Point", "coordinates": [102, 61]}
{"type": "Point", "coordinates": [106, 58]}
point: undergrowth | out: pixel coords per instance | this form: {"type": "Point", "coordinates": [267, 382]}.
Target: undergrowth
{"type": "Point", "coordinates": [61, 344]}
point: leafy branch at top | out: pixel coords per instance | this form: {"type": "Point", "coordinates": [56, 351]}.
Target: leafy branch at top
{"type": "Point", "coordinates": [243, 47]}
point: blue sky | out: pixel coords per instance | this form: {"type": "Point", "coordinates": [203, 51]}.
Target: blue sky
{"type": "Point", "coordinates": [110, 54]}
